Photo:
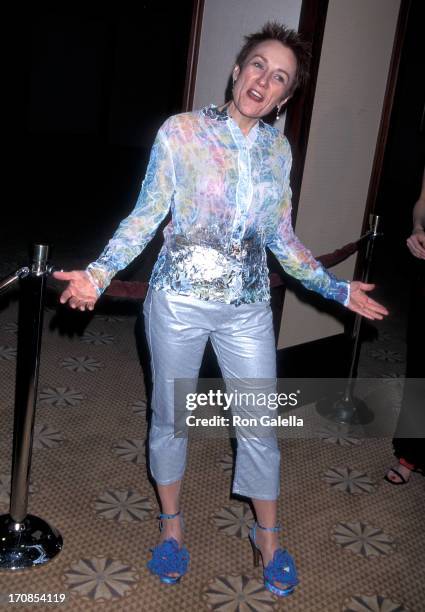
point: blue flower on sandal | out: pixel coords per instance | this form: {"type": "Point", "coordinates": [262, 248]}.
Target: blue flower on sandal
{"type": "Point", "coordinates": [281, 569]}
{"type": "Point", "coordinates": [167, 559]}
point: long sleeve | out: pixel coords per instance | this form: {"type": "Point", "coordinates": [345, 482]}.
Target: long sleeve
{"type": "Point", "coordinates": [134, 232]}
{"type": "Point", "coordinates": [229, 196]}
{"type": "Point", "coordinates": [298, 261]}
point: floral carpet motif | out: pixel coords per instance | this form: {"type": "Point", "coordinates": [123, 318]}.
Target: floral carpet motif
{"type": "Point", "coordinates": [46, 437]}
{"type": "Point", "coordinates": [238, 594]}
{"type": "Point", "coordinates": [124, 506]}
{"type": "Point", "coordinates": [349, 480]}
{"type": "Point", "coordinates": [234, 520]}
{"type": "Point", "coordinates": [133, 450]}
{"type": "Point", "coordinates": [362, 539]}
{"type": "Point", "coordinates": [60, 397]}
{"type": "Point", "coordinates": [372, 603]}
{"type": "Point", "coordinates": [100, 579]}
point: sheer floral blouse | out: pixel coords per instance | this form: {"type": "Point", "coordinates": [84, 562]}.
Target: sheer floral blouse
{"type": "Point", "coordinates": [230, 198]}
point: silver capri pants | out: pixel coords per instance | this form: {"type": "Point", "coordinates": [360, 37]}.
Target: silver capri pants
{"type": "Point", "coordinates": [177, 329]}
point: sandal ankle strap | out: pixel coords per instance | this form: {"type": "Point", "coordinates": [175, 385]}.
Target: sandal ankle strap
{"type": "Point", "coordinates": [162, 515]}
{"type": "Point", "coordinates": [272, 529]}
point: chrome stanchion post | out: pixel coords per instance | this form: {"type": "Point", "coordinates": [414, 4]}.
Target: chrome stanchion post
{"type": "Point", "coordinates": [30, 331]}
{"type": "Point", "coordinates": [9, 280]}
{"type": "Point", "coordinates": [348, 409]}
{"type": "Point", "coordinates": [27, 540]}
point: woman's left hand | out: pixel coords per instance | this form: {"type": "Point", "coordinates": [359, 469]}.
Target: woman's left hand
{"type": "Point", "coordinates": [361, 303]}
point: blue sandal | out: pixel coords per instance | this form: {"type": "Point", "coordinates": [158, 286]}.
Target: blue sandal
{"type": "Point", "coordinates": [280, 569]}
{"type": "Point", "coordinates": [168, 558]}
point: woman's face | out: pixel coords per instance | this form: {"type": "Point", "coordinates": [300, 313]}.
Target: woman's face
{"type": "Point", "coordinates": [265, 79]}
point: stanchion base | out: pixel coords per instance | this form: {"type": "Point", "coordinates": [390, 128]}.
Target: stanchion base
{"type": "Point", "coordinates": [348, 411]}
{"type": "Point", "coordinates": [32, 542]}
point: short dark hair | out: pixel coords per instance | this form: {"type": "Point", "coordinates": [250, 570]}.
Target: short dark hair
{"type": "Point", "coordinates": [289, 38]}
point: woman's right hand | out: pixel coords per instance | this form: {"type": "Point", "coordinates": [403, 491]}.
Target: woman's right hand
{"type": "Point", "coordinates": [80, 292]}
{"type": "Point", "coordinates": [416, 243]}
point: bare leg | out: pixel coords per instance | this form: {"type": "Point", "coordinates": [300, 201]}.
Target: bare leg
{"type": "Point", "coordinates": [267, 541]}
{"type": "Point", "coordinates": [266, 514]}
{"type": "Point", "coordinates": [170, 500]}
{"type": "Point", "coordinates": [171, 528]}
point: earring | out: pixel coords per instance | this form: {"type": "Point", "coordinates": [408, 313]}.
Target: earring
{"type": "Point", "coordinates": [277, 113]}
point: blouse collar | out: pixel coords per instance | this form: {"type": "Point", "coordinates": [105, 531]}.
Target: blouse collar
{"type": "Point", "coordinates": [212, 112]}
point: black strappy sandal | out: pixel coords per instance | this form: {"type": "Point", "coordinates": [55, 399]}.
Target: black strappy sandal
{"type": "Point", "coordinates": [402, 481]}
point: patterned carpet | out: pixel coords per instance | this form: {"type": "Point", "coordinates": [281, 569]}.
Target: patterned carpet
{"type": "Point", "coordinates": [358, 541]}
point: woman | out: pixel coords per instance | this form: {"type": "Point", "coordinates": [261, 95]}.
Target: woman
{"type": "Point", "coordinates": [409, 451]}
{"type": "Point", "coordinates": [225, 175]}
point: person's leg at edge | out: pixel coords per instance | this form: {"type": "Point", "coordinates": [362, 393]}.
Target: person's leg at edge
{"type": "Point", "coordinates": [400, 473]}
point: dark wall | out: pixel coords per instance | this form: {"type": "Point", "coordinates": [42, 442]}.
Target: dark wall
{"type": "Point", "coordinates": [100, 83]}
{"type": "Point", "coordinates": [405, 152]}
